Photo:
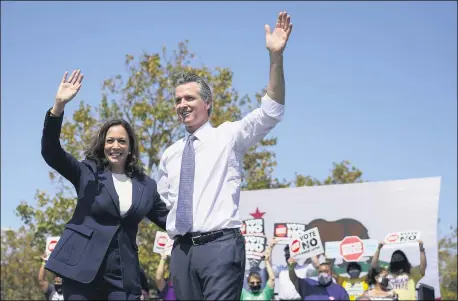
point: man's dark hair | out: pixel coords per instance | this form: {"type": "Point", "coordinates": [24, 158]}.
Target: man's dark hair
{"type": "Point", "coordinates": [204, 91]}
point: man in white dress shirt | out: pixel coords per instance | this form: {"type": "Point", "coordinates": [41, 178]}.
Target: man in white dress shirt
{"type": "Point", "coordinates": [199, 178]}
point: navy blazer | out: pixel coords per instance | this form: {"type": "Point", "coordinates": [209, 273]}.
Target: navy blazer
{"type": "Point", "coordinates": [96, 220]}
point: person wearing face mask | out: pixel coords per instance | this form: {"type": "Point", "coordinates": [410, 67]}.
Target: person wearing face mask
{"type": "Point", "coordinates": [403, 277]}
{"type": "Point", "coordinates": [51, 291]}
{"type": "Point", "coordinates": [255, 281]}
{"type": "Point", "coordinates": [286, 289]}
{"type": "Point", "coordinates": [380, 286]}
{"type": "Point", "coordinates": [355, 284]}
{"type": "Point", "coordinates": [322, 289]}
{"type": "Point", "coordinates": [97, 253]}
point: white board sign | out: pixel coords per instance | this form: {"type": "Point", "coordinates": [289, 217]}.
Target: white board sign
{"type": "Point", "coordinates": [254, 226]}
{"type": "Point", "coordinates": [162, 242]}
{"type": "Point", "coordinates": [403, 237]}
{"type": "Point", "coordinates": [255, 246]}
{"type": "Point", "coordinates": [332, 248]}
{"type": "Point", "coordinates": [306, 245]}
{"type": "Point", "coordinates": [51, 242]}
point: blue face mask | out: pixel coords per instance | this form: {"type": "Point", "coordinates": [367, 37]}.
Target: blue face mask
{"type": "Point", "coordinates": [324, 279]}
{"type": "Point", "coordinates": [354, 273]}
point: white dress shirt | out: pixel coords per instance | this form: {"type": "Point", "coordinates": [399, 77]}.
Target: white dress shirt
{"type": "Point", "coordinates": [218, 168]}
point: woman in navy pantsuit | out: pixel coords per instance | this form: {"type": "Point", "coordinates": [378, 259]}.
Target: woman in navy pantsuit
{"type": "Point", "coordinates": [97, 254]}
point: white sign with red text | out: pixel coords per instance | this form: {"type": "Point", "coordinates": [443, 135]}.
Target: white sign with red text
{"type": "Point", "coordinates": [254, 226]}
{"type": "Point", "coordinates": [305, 245]}
{"type": "Point", "coordinates": [283, 232]}
{"type": "Point", "coordinates": [51, 242]}
{"type": "Point", "coordinates": [162, 242]}
{"type": "Point", "coordinates": [333, 248]}
{"type": "Point", "coordinates": [402, 237]}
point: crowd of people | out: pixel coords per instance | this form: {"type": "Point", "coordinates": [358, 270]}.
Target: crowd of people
{"type": "Point", "coordinates": [396, 281]}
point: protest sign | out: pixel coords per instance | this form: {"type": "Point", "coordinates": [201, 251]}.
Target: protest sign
{"type": "Point", "coordinates": [338, 249]}
{"type": "Point", "coordinates": [51, 242]}
{"type": "Point", "coordinates": [305, 245]}
{"type": "Point", "coordinates": [162, 242]}
{"type": "Point", "coordinates": [285, 231]}
{"type": "Point", "coordinates": [253, 227]}
{"type": "Point", "coordinates": [255, 246]}
{"type": "Point", "coordinates": [402, 237]}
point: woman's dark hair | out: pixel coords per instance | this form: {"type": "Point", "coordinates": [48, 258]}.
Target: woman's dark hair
{"type": "Point", "coordinates": [354, 265]}
{"type": "Point", "coordinates": [96, 153]}
{"type": "Point", "coordinates": [399, 262]}
{"type": "Point", "coordinates": [374, 272]}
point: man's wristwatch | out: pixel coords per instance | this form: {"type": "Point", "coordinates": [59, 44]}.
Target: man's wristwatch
{"type": "Point", "coordinates": [422, 249]}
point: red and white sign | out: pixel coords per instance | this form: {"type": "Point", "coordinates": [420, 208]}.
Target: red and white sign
{"type": "Point", "coordinates": [306, 245]}
{"type": "Point", "coordinates": [162, 242]}
{"type": "Point", "coordinates": [280, 230]}
{"type": "Point", "coordinates": [295, 246]}
{"type": "Point", "coordinates": [402, 237]}
{"type": "Point", "coordinates": [284, 232]}
{"type": "Point", "coordinates": [392, 238]}
{"type": "Point", "coordinates": [351, 248]}
{"type": "Point", "coordinates": [51, 242]}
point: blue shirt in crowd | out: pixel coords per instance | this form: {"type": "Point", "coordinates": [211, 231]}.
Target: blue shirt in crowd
{"type": "Point", "coordinates": [310, 289]}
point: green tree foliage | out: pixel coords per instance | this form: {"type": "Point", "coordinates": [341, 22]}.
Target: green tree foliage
{"type": "Point", "coordinates": [448, 265]}
{"type": "Point", "coordinates": [341, 173]}
{"type": "Point", "coordinates": [20, 263]}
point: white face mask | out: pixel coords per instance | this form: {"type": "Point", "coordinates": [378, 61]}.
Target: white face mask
{"type": "Point", "coordinates": [384, 281]}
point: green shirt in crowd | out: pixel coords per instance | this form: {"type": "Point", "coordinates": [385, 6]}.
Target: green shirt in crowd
{"type": "Point", "coordinates": [266, 294]}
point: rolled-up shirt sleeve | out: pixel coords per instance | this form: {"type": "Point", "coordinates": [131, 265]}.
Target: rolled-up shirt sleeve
{"type": "Point", "coordinates": [257, 124]}
{"type": "Point", "coordinates": [272, 108]}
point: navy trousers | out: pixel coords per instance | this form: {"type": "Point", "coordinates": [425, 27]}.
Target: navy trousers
{"type": "Point", "coordinates": [211, 271]}
{"type": "Point", "coordinates": [107, 285]}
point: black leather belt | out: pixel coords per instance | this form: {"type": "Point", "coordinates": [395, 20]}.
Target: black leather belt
{"type": "Point", "coordinates": [198, 238]}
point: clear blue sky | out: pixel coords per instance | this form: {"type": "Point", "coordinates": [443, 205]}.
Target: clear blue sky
{"type": "Point", "coordinates": [370, 82]}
